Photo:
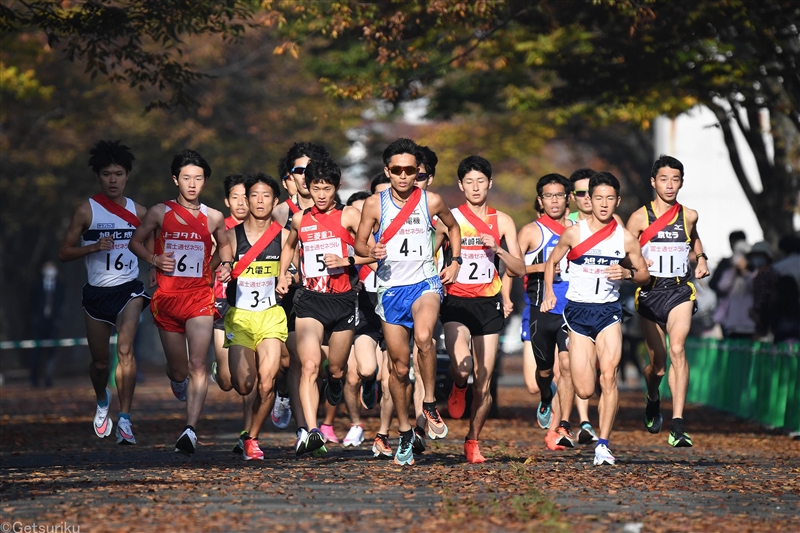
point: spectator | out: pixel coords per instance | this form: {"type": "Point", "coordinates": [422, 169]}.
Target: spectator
{"type": "Point", "coordinates": [735, 286]}
{"type": "Point", "coordinates": [789, 245]}
{"type": "Point", "coordinates": [765, 280]}
{"type": "Point", "coordinates": [47, 298]}
{"type": "Point", "coordinates": [725, 264]}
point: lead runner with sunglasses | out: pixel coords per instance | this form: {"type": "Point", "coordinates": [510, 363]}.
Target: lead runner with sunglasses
{"type": "Point", "coordinates": [409, 289]}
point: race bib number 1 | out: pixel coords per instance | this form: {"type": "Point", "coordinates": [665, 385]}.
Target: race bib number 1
{"type": "Point", "coordinates": [189, 257]}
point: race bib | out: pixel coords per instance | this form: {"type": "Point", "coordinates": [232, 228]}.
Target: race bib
{"type": "Point", "coordinates": [669, 259]}
{"type": "Point", "coordinates": [371, 281]}
{"type": "Point", "coordinates": [189, 258]}
{"type": "Point", "coordinates": [410, 243]}
{"type": "Point", "coordinates": [477, 267]}
{"type": "Point", "coordinates": [314, 257]}
{"type": "Point", "coordinates": [255, 294]}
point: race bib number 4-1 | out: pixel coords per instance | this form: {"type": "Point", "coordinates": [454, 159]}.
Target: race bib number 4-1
{"type": "Point", "coordinates": [189, 257]}
{"type": "Point", "coordinates": [477, 267]}
{"type": "Point", "coordinates": [410, 243]}
{"type": "Point", "coordinates": [314, 257]}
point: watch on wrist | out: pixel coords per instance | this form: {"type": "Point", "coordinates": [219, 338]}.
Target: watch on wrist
{"type": "Point", "coordinates": [632, 271]}
{"type": "Point", "coordinates": [229, 263]}
{"type": "Point", "coordinates": [702, 255]}
{"type": "Point", "coordinates": [351, 260]}
{"type": "Point", "coordinates": [457, 259]}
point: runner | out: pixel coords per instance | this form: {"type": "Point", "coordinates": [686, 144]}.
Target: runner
{"type": "Point", "coordinates": [113, 295]}
{"type": "Point", "coordinates": [255, 324]}
{"type": "Point", "coordinates": [236, 202]}
{"type": "Point", "coordinates": [472, 312]}
{"type": "Point", "coordinates": [667, 232]}
{"type": "Point", "coordinates": [409, 290]}
{"type": "Point", "coordinates": [592, 313]}
{"type": "Point", "coordinates": [183, 305]}
{"type": "Point", "coordinates": [327, 299]}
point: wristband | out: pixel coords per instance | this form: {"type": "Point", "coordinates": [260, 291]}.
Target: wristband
{"type": "Point", "coordinates": [702, 255]}
{"type": "Point", "coordinates": [633, 272]}
{"type": "Point", "coordinates": [230, 263]}
{"type": "Point", "coordinates": [153, 260]}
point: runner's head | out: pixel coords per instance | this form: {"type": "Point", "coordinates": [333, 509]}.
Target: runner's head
{"type": "Point", "coordinates": [190, 172]}
{"type": "Point", "coordinates": [236, 196]}
{"type": "Point", "coordinates": [427, 168]}
{"type": "Point", "coordinates": [263, 193]}
{"type": "Point", "coordinates": [297, 159]}
{"type": "Point", "coordinates": [112, 162]}
{"type": "Point", "coordinates": [357, 199]}
{"type": "Point", "coordinates": [284, 173]}
{"type": "Point", "coordinates": [666, 177]}
{"type": "Point", "coordinates": [380, 183]}
{"type": "Point", "coordinates": [323, 178]}
{"type": "Point", "coordinates": [401, 161]}
{"type": "Point", "coordinates": [604, 190]}
{"type": "Point", "coordinates": [580, 189]}
{"type": "Point", "coordinates": [552, 192]}
{"type": "Point", "coordinates": [475, 178]}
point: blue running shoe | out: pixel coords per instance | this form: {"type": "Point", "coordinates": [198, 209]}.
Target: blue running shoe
{"type": "Point", "coordinates": [405, 450]}
{"type": "Point", "coordinates": [544, 414]}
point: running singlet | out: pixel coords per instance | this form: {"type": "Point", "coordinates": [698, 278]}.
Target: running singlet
{"type": "Point", "coordinates": [587, 278]}
{"type": "Point", "coordinates": [316, 240]}
{"type": "Point", "coordinates": [477, 277]}
{"type": "Point", "coordinates": [368, 279]}
{"type": "Point", "coordinates": [109, 268]}
{"type": "Point", "coordinates": [292, 210]}
{"type": "Point", "coordinates": [410, 251]}
{"type": "Point", "coordinates": [254, 289]}
{"type": "Point", "coordinates": [535, 284]}
{"type": "Point", "coordinates": [219, 287]}
{"type": "Point", "coordinates": [669, 252]}
{"type": "Point", "coordinates": [192, 259]}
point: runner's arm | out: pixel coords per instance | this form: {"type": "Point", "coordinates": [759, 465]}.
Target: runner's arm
{"type": "Point", "coordinates": [701, 270]}
{"type": "Point", "coordinates": [513, 257]}
{"type": "Point", "coordinates": [505, 294]}
{"type": "Point", "coordinates": [287, 255]}
{"type": "Point", "coordinates": [564, 244]}
{"type": "Point", "coordinates": [223, 246]}
{"type": "Point", "coordinates": [370, 215]}
{"type": "Point", "coordinates": [530, 238]}
{"type": "Point", "coordinates": [634, 253]}
{"type": "Point", "coordinates": [70, 248]}
{"type": "Point", "coordinates": [150, 223]}
{"type": "Point", "coordinates": [437, 207]}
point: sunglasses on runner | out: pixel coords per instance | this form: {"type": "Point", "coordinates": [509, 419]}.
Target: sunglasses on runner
{"type": "Point", "coordinates": [421, 177]}
{"type": "Point", "coordinates": [581, 194]}
{"type": "Point", "coordinates": [409, 170]}
{"type": "Point", "coordinates": [299, 170]}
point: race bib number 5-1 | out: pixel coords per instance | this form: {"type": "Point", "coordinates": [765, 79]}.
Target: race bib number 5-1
{"type": "Point", "coordinates": [314, 257]}
{"type": "Point", "coordinates": [189, 257]}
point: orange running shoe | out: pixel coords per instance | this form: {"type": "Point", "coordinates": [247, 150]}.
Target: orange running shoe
{"type": "Point", "coordinates": [457, 401]}
{"type": "Point", "coordinates": [251, 450]}
{"type": "Point", "coordinates": [551, 441]}
{"type": "Point", "coordinates": [473, 452]}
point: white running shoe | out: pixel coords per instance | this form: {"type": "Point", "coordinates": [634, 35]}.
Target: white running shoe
{"type": "Point", "coordinates": [179, 388]}
{"type": "Point", "coordinates": [602, 455]}
{"type": "Point", "coordinates": [300, 445]}
{"type": "Point", "coordinates": [103, 424]}
{"type": "Point", "coordinates": [124, 432]}
{"type": "Point", "coordinates": [281, 412]}
{"type": "Point", "coordinates": [355, 436]}
{"type": "Point", "coordinates": [187, 442]}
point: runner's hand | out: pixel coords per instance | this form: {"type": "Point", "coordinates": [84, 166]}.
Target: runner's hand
{"type": "Point", "coordinates": [701, 271]}
{"type": "Point", "coordinates": [334, 261]}
{"type": "Point", "coordinates": [165, 262]}
{"type": "Point", "coordinates": [283, 284]}
{"type": "Point", "coordinates": [224, 273]}
{"type": "Point", "coordinates": [450, 273]}
{"type": "Point", "coordinates": [548, 303]}
{"type": "Point", "coordinates": [489, 242]}
{"type": "Point", "coordinates": [378, 252]}
{"type": "Point", "coordinates": [152, 278]}
{"type": "Point", "coordinates": [617, 273]}
{"type": "Point", "coordinates": [105, 243]}
{"type": "Point", "coordinates": [508, 308]}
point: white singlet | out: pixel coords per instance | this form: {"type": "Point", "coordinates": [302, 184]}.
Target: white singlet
{"type": "Point", "coordinates": [109, 268]}
{"type": "Point", "coordinates": [587, 279]}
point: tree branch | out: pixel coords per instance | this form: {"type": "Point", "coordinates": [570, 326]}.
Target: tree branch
{"type": "Point", "coordinates": [733, 151]}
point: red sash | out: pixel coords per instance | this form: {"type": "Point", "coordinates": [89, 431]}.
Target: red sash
{"type": "Point", "coordinates": [480, 224]}
{"type": "Point", "coordinates": [593, 239]}
{"type": "Point", "coordinates": [551, 224]}
{"type": "Point", "coordinates": [257, 248]}
{"type": "Point", "coordinates": [115, 209]}
{"type": "Point", "coordinates": [292, 206]}
{"type": "Point", "coordinates": [333, 226]}
{"type": "Point", "coordinates": [659, 224]}
{"type": "Point", "coordinates": [402, 216]}
{"type": "Point", "coordinates": [197, 226]}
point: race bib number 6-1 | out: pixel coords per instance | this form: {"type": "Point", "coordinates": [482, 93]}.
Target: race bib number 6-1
{"type": "Point", "coordinates": [189, 257]}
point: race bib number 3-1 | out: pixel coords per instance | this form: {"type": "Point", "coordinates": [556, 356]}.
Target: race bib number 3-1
{"type": "Point", "coordinates": [477, 267]}
{"type": "Point", "coordinates": [189, 257]}
{"type": "Point", "coordinates": [255, 294]}
{"type": "Point", "coordinates": [314, 257]}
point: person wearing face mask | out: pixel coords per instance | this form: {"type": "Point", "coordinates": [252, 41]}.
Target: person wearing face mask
{"type": "Point", "coordinates": [765, 282]}
{"type": "Point", "coordinates": [47, 299]}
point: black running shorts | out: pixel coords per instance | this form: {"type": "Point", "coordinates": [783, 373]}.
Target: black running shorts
{"type": "Point", "coordinates": [222, 306]}
{"type": "Point", "coordinates": [482, 316]}
{"type": "Point", "coordinates": [105, 303]}
{"type": "Point", "coordinates": [656, 304]}
{"type": "Point", "coordinates": [336, 312]}
{"type": "Point", "coordinates": [546, 332]}
{"type": "Point", "coordinates": [368, 322]}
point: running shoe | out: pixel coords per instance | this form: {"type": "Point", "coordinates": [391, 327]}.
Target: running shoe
{"type": "Point", "coordinates": [437, 429]}
{"type": "Point", "coordinates": [551, 441]}
{"type": "Point", "coordinates": [419, 441]}
{"type": "Point", "coordinates": [214, 371]}
{"type": "Point", "coordinates": [587, 434]}
{"type": "Point", "coordinates": [473, 452]}
{"type": "Point", "coordinates": [328, 433]}
{"type": "Point", "coordinates": [680, 439]}
{"type": "Point", "coordinates": [457, 401]}
{"type": "Point", "coordinates": [124, 432]}
{"type": "Point", "coordinates": [369, 392]}
{"type": "Point", "coordinates": [239, 448]}
{"type": "Point", "coordinates": [300, 445]}
{"type": "Point", "coordinates": [315, 443]}
{"type": "Point", "coordinates": [381, 448]}
{"type": "Point", "coordinates": [652, 415]}
{"type": "Point", "coordinates": [544, 414]}
{"type": "Point", "coordinates": [281, 412]}
{"type": "Point", "coordinates": [564, 437]}
{"type": "Point", "coordinates": [251, 450]}
{"type": "Point", "coordinates": [102, 423]}
{"type": "Point", "coordinates": [179, 388]}
{"type": "Point", "coordinates": [602, 455]}
{"type": "Point", "coordinates": [187, 442]}
{"type": "Point", "coordinates": [405, 452]}
{"type": "Point", "coordinates": [355, 436]}
{"type": "Point", "coordinates": [334, 390]}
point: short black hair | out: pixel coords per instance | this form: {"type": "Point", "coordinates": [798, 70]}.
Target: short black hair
{"type": "Point", "coordinates": [231, 181]}
{"type": "Point", "coordinates": [356, 196]}
{"type": "Point", "coordinates": [402, 146]}
{"type": "Point", "coordinates": [666, 161]}
{"type": "Point", "coordinates": [429, 159]}
{"type": "Point", "coordinates": [736, 236]}
{"type": "Point", "coordinates": [107, 153]}
{"type": "Point", "coordinates": [260, 177]}
{"type": "Point", "coordinates": [581, 174]}
{"type": "Point", "coordinates": [547, 179]}
{"type": "Point", "coordinates": [189, 157]}
{"type": "Point", "coordinates": [283, 167]}
{"type": "Point", "coordinates": [323, 170]}
{"type": "Point", "coordinates": [474, 162]}
{"type": "Point", "coordinates": [603, 178]}
{"type": "Point", "coordinates": [305, 149]}
{"type": "Point", "coordinates": [377, 180]}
